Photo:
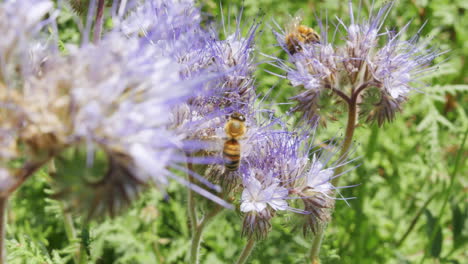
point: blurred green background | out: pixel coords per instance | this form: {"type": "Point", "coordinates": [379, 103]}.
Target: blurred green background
{"type": "Point", "coordinates": [410, 206]}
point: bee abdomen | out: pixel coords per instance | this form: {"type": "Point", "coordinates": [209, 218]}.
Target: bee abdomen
{"type": "Point", "coordinates": [231, 154]}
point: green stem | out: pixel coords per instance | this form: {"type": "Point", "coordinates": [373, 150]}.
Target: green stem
{"type": "Point", "coordinates": [3, 211]}
{"type": "Point", "coordinates": [198, 231]}
{"type": "Point", "coordinates": [316, 243]}
{"type": "Point", "coordinates": [192, 213]}
{"type": "Point", "coordinates": [246, 251]}
{"type": "Point", "coordinates": [348, 139]}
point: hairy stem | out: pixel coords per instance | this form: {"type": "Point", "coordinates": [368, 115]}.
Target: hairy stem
{"type": "Point", "coordinates": [341, 94]}
{"type": "Point", "coordinates": [197, 235]}
{"type": "Point", "coordinates": [99, 21]}
{"type": "Point", "coordinates": [246, 251]}
{"type": "Point", "coordinates": [193, 219]}
{"type": "Point", "coordinates": [316, 243]}
{"type": "Point", "coordinates": [192, 211]}
{"type": "Point", "coordinates": [3, 212]}
{"type": "Point", "coordinates": [348, 139]}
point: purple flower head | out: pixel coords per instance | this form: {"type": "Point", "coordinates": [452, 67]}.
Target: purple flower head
{"type": "Point", "coordinates": [21, 54]}
{"type": "Point", "coordinates": [262, 196]}
{"type": "Point", "coordinates": [396, 67]}
{"type": "Point", "coordinates": [113, 99]}
{"type": "Point", "coordinates": [224, 67]}
{"type": "Point", "coordinates": [277, 174]}
{"type": "Point", "coordinates": [355, 65]}
{"type": "Point", "coordinates": [228, 67]}
{"type": "Point", "coordinates": [233, 57]}
{"type": "Point", "coordinates": [231, 62]}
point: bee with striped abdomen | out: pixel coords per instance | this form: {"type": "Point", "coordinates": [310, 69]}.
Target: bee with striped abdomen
{"type": "Point", "coordinates": [235, 128]}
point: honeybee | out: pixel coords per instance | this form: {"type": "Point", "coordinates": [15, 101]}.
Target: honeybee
{"type": "Point", "coordinates": [297, 34]}
{"type": "Point", "coordinates": [235, 128]}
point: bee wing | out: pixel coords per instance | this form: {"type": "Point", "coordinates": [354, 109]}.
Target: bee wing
{"type": "Point", "coordinates": [213, 144]}
{"type": "Point", "coordinates": [295, 21]}
{"type": "Point", "coordinates": [299, 15]}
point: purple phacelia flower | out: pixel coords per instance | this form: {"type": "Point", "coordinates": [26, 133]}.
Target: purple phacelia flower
{"type": "Point", "coordinates": [224, 67]}
{"type": "Point", "coordinates": [21, 54]}
{"type": "Point", "coordinates": [257, 195]}
{"type": "Point", "coordinates": [277, 174]}
{"type": "Point", "coordinates": [227, 66]}
{"type": "Point", "coordinates": [121, 104]}
{"type": "Point", "coordinates": [262, 196]}
{"type": "Point", "coordinates": [377, 76]}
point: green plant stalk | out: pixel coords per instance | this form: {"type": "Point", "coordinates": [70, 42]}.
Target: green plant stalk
{"type": "Point", "coordinates": [3, 212]}
{"type": "Point", "coordinates": [70, 231]}
{"type": "Point", "coordinates": [195, 245]}
{"type": "Point", "coordinates": [316, 243]}
{"type": "Point", "coordinates": [246, 251]}
{"type": "Point", "coordinates": [348, 139]}
{"type": "Point", "coordinates": [197, 227]}
{"type": "Point", "coordinates": [192, 213]}
{"type": "Point", "coordinates": [195, 231]}
{"type": "Point", "coordinates": [198, 232]}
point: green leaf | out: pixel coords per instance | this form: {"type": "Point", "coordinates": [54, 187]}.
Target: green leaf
{"type": "Point", "coordinates": [434, 233]}
{"type": "Point", "coordinates": [458, 222]}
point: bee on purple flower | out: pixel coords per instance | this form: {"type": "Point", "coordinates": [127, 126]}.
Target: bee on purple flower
{"type": "Point", "coordinates": [361, 70]}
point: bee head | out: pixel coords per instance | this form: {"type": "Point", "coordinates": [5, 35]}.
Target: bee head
{"type": "Point", "coordinates": [238, 116]}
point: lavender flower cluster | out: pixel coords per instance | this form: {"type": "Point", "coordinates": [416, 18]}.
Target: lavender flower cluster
{"type": "Point", "coordinates": [362, 59]}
